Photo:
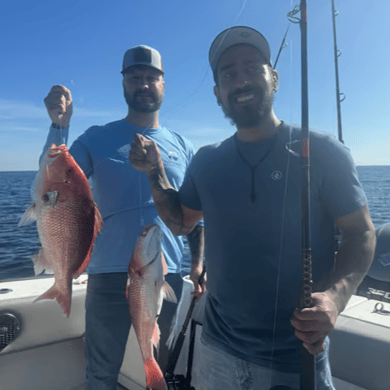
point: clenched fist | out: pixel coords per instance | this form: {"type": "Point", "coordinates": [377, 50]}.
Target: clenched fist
{"type": "Point", "coordinates": [144, 155]}
{"type": "Point", "coordinates": [59, 105]}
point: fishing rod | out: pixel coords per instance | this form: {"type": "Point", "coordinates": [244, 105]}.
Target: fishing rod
{"type": "Point", "coordinates": [339, 96]}
{"type": "Point", "coordinates": [179, 382]}
{"type": "Point", "coordinates": [308, 372]}
{"type": "Point", "coordinates": [282, 46]}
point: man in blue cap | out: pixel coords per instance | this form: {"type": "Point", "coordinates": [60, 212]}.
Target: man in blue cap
{"type": "Point", "coordinates": [248, 189]}
{"type": "Point", "coordinates": [125, 202]}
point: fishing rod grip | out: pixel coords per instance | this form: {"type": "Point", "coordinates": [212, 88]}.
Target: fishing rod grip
{"type": "Point", "coordinates": [308, 369]}
{"type": "Point", "coordinates": [174, 356]}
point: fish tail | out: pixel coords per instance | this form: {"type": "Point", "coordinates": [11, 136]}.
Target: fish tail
{"type": "Point", "coordinates": [63, 297]}
{"type": "Point", "coordinates": [154, 376]}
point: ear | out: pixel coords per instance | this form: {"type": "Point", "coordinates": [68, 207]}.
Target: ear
{"type": "Point", "coordinates": [275, 77]}
{"type": "Point", "coordinates": [216, 93]}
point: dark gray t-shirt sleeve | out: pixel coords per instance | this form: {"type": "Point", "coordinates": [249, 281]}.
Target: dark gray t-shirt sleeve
{"type": "Point", "coordinates": [188, 193]}
{"type": "Point", "coordinates": [341, 190]}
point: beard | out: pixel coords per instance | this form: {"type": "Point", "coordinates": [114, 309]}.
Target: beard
{"type": "Point", "coordinates": [248, 116]}
{"type": "Point", "coordinates": [137, 106]}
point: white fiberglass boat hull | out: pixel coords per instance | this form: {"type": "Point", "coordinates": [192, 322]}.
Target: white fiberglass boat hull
{"type": "Point", "coordinates": [49, 351]}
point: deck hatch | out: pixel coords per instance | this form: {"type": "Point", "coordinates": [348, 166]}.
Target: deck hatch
{"type": "Point", "coordinates": [9, 329]}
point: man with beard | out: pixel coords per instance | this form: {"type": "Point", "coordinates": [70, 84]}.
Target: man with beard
{"type": "Point", "coordinates": [125, 201]}
{"type": "Point", "coordinates": [248, 189]}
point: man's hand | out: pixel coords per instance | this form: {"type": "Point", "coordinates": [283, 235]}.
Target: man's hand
{"type": "Point", "coordinates": [144, 155]}
{"type": "Point", "coordinates": [313, 324]}
{"type": "Point", "coordinates": [199, 289]}
{"type": "Point", "coordinates": [59, 105]}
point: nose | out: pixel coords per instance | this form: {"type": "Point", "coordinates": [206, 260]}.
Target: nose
{"type": "Point", "coordinates": [242, 80]}
{"type": "Point", "coordinates": [143, 82]}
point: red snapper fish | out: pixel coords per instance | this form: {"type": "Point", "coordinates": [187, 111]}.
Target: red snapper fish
{"type": "Point", "coordinates": [145, 292]}
{"type": "Point", "coordinates": [68, 222]}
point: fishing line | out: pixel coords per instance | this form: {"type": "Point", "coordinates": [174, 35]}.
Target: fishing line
{"type": "Point", "coordinates": [280, 249]}
{"type": "Point", "coordinates": [180, 105]}
{"type": "Point", "coordinates": [142, 221]}
{"type": "Point", "coordinates": [184, 102]}
{"type": "Point", "coordinates": [173, 111]}
{"type": "Point", "coordinates": [290, 151]}
{"type": "Point", "coordinates": [125, 150]}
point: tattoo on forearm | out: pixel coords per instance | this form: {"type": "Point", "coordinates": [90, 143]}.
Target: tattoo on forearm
{"type": "Point", "coordinates": [196, 244]}
{"type": "Point", "coordinates": [167, 202]}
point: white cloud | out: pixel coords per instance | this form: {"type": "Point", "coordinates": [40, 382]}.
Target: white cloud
{"type": "Point", "coordinates": [14, 128]}
{"type": "Point", "coordinates": [18, 110]}
{"type": "Point", "coordinates": [13, 109]}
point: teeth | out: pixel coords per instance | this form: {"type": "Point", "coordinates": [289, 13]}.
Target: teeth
{"type": "Point", "coordinates": [245, 98]}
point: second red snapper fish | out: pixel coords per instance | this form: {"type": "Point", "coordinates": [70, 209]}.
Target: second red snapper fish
{"type": "Point", "coordinates": [68, 221]}
{"type": "Point", "coordinates": [145, 292]}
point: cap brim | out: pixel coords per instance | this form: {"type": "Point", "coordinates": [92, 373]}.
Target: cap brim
{"type": "Point", "coordinates": [237, 36]}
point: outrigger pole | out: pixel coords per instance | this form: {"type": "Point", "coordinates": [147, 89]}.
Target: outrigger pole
{"type": "Point", "coordinates": [308, 372]}
{"type": "Point", "coordinates": [339, 96]}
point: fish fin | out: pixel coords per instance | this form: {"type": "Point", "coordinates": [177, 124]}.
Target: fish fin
{"type": "Point", "coordinates": [164, 264]}
{"type": "Point", "coordinates": [63, 298]}
{"type": "Point", "coordinates": [98, 223]}
{"type": "Point", "coordinates": [128, 288]}
{"type": "Point", "coordinates": [41, 264]}
{"type": "Point", "coordinates": [156, 336]}
{"type": "Point", "coordinates": [98, 220]}
{"type": "Point", "coordinates": [29, 216]}
{"type": "Point", "coordinates": [168, 293]}
{"type": "Point", "coordinates": [154, 376]}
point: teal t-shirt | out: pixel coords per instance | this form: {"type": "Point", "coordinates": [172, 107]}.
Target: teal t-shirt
{"type": "Point", "coordinates": [122, 193]}
{"type": "Point", "coordinates": [250, 195]}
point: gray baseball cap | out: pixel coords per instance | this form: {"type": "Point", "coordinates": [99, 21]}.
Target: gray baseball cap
{"type": "Point", "coordinates": [235, 36]}
{"type": "Point", "coordinates": [142, 55]}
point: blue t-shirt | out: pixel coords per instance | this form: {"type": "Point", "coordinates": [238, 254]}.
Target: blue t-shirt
{"type": "Point", "coordinates": [250, 195]}
{"type": "Point", "coordinates": [122, 193]}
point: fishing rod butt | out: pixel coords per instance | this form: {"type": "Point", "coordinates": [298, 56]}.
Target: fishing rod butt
{"type": "Point", "coordinates": [308, 372]}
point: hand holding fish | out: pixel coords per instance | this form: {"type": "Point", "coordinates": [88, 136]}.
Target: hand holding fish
{"type": "Point", "coordinates": [313, 324]}
{"type": "Point", "coordinates": [59, 105]}
{"type": "Point", "coordinates": [144, 155]}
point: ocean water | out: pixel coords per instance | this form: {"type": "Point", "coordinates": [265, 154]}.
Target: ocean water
{"type": "Point", "coordinates": [19, 244]}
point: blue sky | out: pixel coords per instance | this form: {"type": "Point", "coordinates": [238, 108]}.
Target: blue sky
{"type": "Point", "coordinates": [80, 44]}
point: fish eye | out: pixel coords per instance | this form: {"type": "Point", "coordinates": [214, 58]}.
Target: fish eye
{"type": "Point", "coordinates": [69, 170]}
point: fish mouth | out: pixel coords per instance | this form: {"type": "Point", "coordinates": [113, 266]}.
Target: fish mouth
{"type": "Point", "coordinates": [55, 151]}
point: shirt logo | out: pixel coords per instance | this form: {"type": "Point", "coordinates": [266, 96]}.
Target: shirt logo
{"type": "Point", "coordinates": [384, 259]}
{"type": "Point", "coordinates": [173, 156]}
{"type": "Point", "coordinates": [276, 175]}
